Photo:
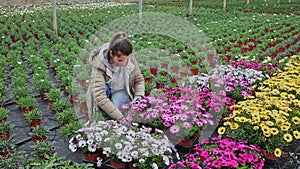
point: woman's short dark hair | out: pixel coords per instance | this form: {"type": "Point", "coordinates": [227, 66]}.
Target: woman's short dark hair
{"type": "Point", "coordinates": [119, 43]}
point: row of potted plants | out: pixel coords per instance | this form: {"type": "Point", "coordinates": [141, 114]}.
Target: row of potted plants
{"type": "Point", "coordinates": [121, 143]}
{"type": "Point", "coordinates": [273, 122]}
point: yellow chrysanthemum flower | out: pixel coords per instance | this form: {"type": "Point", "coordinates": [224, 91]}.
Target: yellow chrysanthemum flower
{"type": "Point", "coordinates": [267, 89]}
{"type": "Point", "coordinates": [274, 131]}
{"type": "Point", "coordinates": [291, 96]}
{"type": "Point", "coordinates": [265, 117]}
{"type": "Point", "coordinates": [227, 123]}
{"type": "Point", "coordinates": [244, 119]}
{"type": "Point", "coordinates": [256, 120]}
{"type": "Point", "coordinates": [283, 113]}
{"type": "Point", "coordinates": [279, 121]}
{"type": "Point", "coordinates": [270, 123]}
{"type": "Point", "coordinates": [221, 130]}
{"type": "Point", "coordinates": [236, 118]}
{"type": "Point", "coordinates": [259, 94]}
{"type": "Point", "coordinates": [298, 91]}
{"type": "Point", "coordinates": [267, 134]}
{"type": "Point", "coordinates": [277, 152]}
{"type": "Point", "coordinates": [268, 112]}
{"type": "Point", "coordinates": [265, 129]}
{"type": "Point", "coordinates": [284, 95]}
{"type": "Point", "coordinates": [296, 134]}
{"type": "Point", "coordinates": [284, 128]}
{"type": "Point", "coordinates": [275, 92]}
{"type": "Point", "coordinates": [288, 137]}
{"type": "Point", "coordinates": [256, 127]}
{"type": "Point", "coordinates": [296, 120]}
{"type": "Point", "coordinates": [234, 126]}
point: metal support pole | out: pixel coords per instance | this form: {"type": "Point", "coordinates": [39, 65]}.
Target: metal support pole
{"type": "Point", "coordinates": [140, 10]}
{"type": "Point", "coordinates": [224, 5]}
{"type": "Point", "coordinates": [191, 7]}
{"type": "Point", "coordinates": [54, 16]}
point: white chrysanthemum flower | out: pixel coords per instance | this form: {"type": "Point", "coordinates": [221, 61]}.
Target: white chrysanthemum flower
{"type": "Point", "coordinates": [141, 160]}
{"type": "Point", "coordinates": [144, 143]}
{"type": "Point", "coordinates": [71, 140]}
{"type": "Point", "coordinates": [128, 148]}
{"type": "Point", "coordinates": [134, 154]}
{"type": "Point", "coordinates": [92, 147]}
{"type": "Point", "coordinates": [106, 150]}
{"type": "Point", "coordinates": [90, 141]}
{"type": "Point", "coordinates": [166, 160]}
{"type": "Point", "coordinates": [82, 143]}
{"type": "Point", "coordinates": [107, 140]}
{"type": "Point", "coordinates": [119, 145]}
{"type": "Point", "coordinates": [72, 147]}
{"type": "Point", "coordinates": [154, 166]}
{"type": "Point", "coordinates": [78, 137]}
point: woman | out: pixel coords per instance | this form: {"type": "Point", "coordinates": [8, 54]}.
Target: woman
{"type": "Point", "coordinates": [115, 79]}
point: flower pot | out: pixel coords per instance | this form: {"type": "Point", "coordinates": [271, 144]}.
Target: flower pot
{"type": "Point", "coordinates": [147, 93]}
{"type": "Point", "coordinates": [43, 96]}
{"type": "Point", "coordinates": [42, 138]}
{"type": "Point", "coordinates": [36, 36]}
{"type": "Point", "coordinates": [5, 137]}
{"type": "Point", "coordinates": [2, 105]}
{"type": "Point", "coordinates": [25, 38]}
{"type": "Point", "coordinates": [35, 123]}
{"type": "Point", "coordinates": [174, 80]}
{"type": "Point", "coordinates": [159, 85]}
{"type": "Point", "coordinates": [83, 83]}
{"type": "Point", "coordinates": [82, 106]}
{"type": "Point", "coordinates": [183, 74]}
{"type": "Point", "coordinates": [104, 157]}
{"type": "Point", "coordinates": [117, 164]}
{"type": "Point", "coordinates": [153, 70]}
{"type": "Point", "coordinates": [270, 156]}
{"type": "Point", "coordinates": [148, 79]}
{"type": "Point", "coordinates": [91, 156]}
{"type": "Point", "coordinates": [73, 98]}
{"type": "Point", "coordinates": [130, 166]}
{"type": "Point", "coordinates": [4, 154]}
{"type": "Point", "coordinates": [193, 62]}
{"type": "Point", "coordinates": [165, 66]}
{"type": "Point", "coordinates": [48, 36]}
{"type": "Point", "coordinates": [213, 64]}
{"type": "Point", "coordinates": [186, 143]}
{"type": "Point", "coordinates": [175, 69]}
{"type": "Point", "coordinates": [63, 87]}
{"type": "Point", "coordinates": [26, 110]}
{"type": "Point", "coordinates": [50, 102]}
{"type": "Point", "coordinates": [270, 159]}
{"type": "Point", "coordinates": [194, 71]}
{"type": "Point", "coordinates": [3, 120]}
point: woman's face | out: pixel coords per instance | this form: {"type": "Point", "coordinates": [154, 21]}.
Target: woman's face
{"type": "Point", "coordinates": [120, 59]}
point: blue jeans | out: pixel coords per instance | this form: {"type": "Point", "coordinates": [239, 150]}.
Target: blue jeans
{"type": "Point", "coordinates": [118, 98]}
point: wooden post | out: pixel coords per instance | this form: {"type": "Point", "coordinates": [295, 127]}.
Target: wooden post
{"type": "Point", "coordinates": [54, 16]}
{"type": "Point", "coordinates": [248, 2]}
{"type": "Point", "coordinates": [140, 10]}
{"type": "Point", "coordinates": [224, 5]}
{"type": "Point", "coordinates": [191, 7]}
